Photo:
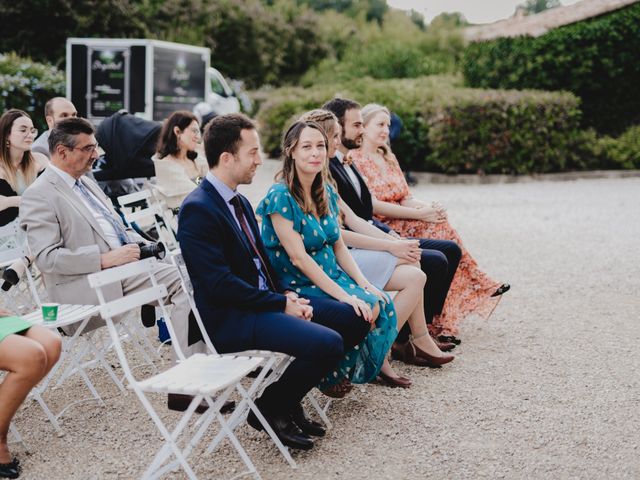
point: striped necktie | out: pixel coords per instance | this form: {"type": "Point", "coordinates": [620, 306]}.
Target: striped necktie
{"type": "Point", "coordinates": [104, 211]}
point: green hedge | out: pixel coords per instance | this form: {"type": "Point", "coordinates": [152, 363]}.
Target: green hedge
{"type": "Point", "coordinates": [622, 152]}
{"type": "Point", "coordinates": [28, 85]}
{"type": "Point", "coordinates": [452, 129]}
{"type": "Point", "coordinates": [596, 59]}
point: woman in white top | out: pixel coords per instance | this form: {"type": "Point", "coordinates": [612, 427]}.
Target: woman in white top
{"type": "Point", "coordinates": [178, 167]}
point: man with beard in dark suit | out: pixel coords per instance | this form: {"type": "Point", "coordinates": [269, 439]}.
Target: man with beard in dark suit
{"type": "Point", "coordinates": [439, 258]}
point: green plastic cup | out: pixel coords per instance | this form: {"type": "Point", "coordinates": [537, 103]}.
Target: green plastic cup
{"type": "Point", "coordinates": [50, 312]}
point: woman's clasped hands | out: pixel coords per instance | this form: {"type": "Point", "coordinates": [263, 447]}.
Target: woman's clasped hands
{"type": "Point", "coordinates": [405, 249]}
{"type": "Point", "coordinates": [435, 213]}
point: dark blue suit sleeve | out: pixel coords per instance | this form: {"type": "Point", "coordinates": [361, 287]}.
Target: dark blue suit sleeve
{"type": "Point", "coordinates": [201, 243]}
{"type": "Point", "coordinates": [382, 226]}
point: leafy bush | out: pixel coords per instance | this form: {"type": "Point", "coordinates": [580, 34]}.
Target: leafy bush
{"type": "Point", "coordinates": [506, 132]}
{"type": "Point", "coordinates": [622, 152]}
{"type": "Point", "coordinates": [595, 59]}
{"type": "Point", "coordinates": [28, 85]}
{"type": "Point", "coordinates": [452, 129]}
{"type": "Point", "coordinates": [276, 107]}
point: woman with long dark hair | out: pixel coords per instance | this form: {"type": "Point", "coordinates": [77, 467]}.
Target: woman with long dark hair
{"type": "Point", "coordinates": [388, 263]}
{"type": "Point", "coordinates": [301, 232]}
{"type": "Point", "coordinates": [19, 166]}
{"type": "Point", "coordinates": [178, 166]}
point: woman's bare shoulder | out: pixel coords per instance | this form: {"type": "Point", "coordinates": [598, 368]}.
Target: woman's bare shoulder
{"type": "Point", "coordinates": [41, 160]}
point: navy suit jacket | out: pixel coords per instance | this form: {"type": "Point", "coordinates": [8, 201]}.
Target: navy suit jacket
{"type": "Point", "coordinates": [361, 205]}
{"type": "Point", "coordinates": [220, 262]}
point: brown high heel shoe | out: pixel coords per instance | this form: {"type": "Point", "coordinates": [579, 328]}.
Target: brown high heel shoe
{"type": "Point", "coordinates": [430, 360]}
{"type": "Point", "coordinates": [405, 352]}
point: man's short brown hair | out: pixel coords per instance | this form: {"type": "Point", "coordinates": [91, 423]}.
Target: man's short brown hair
{"type": "Point", "coordinates": [223, 134]}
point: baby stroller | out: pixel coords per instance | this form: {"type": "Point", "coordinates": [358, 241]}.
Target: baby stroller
{"type": "Point", "coordinates": [128, 142]}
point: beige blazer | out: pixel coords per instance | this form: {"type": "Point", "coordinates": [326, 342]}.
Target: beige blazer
{"type": "Point", "coordinates": [65, 239]}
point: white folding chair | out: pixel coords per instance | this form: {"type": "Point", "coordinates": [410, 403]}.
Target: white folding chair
{"type": "Point", "coordinates": [148, 215]}
{"type": "Point", "coordinates": [67, 315]}
{"type": "Point", "coordinates": [276, 364]}
{"type": "Point", "coordinates": [202, 376]}
{"type": "Point", "coordinates": [15, 437]}
{"type": "Point", "coordinates": [13, 251]}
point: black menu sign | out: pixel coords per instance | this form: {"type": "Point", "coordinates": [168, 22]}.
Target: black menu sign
{"type": "Point", "coordinates": [107, 81]}
{"type": "Point", "coordinates": [179, 81]}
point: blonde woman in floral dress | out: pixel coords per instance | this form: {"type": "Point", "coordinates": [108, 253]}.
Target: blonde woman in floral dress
{"type": "Point", "coordinates": [472, 290]}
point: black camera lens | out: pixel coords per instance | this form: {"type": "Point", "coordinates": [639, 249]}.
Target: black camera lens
{"type": "Point", "coordinates": [10, 278]}
{"type": "Point", "coordinates": [148, 250]}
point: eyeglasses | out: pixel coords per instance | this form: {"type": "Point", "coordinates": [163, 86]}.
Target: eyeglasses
{"type": "Point", "coordinates": [28, 131]}
{"type": "Point", "coordinates": [86, 149]}
{"type": "Point", "coordinates": [195, 130]}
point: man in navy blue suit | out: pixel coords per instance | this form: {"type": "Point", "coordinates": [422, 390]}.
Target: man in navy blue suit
{"type": "Point", "coordinates": [242, 302]}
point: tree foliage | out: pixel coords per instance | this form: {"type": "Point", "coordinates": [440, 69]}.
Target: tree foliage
{"type": "Point", "coordinates": [259, 41]}
{"type": "Point", "coordinates": [373, 10]}
{"type": "Point", "coordinates": [398, 49]}
{"type": "Point", "coordinates": [39, 28]}
{"type": "Point", "coordinates": [595, 59]}
{"type": "Point", "coordinates": [249, 39]}
{"type": "Point", "coordinates": [532, 7]}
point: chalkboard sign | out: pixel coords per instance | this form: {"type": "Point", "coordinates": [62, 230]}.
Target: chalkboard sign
{"type": "Point", "coordinates": [108, 70]}
{"type": "Point", "coordinates": [179, 81]}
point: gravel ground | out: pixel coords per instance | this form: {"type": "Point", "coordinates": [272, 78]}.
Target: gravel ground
{"type": "Point", "coordinates": [547, 388]}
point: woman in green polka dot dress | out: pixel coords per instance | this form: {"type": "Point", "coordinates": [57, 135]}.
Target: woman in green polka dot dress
{"type": "Point", "coordinates": [301, 233]}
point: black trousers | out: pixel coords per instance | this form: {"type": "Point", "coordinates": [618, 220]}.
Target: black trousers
{"type": "Point", "coordinates": [439, 261]}
{"type": "Point", "coordinates": [317, 345]}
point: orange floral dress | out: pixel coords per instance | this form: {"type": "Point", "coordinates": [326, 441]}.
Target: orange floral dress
{"type": "Point", "coordinates": [471, 288]}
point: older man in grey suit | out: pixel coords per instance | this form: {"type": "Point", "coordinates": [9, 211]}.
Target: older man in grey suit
{"type": "Point", "coordinates": [73, 230]}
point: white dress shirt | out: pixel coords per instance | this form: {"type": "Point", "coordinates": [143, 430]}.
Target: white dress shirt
{"type": "Point", "coordinates": [352, 175]}
{"type": "Point", "coordinates": [107, 228]}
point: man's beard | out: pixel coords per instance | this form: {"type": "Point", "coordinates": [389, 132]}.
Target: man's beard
{"type": "Point", "coordinates": [351, 143]}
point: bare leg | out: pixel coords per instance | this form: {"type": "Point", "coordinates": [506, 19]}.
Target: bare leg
{"type": "Point", "coordinates": [409, 282]}
{"type": "Point", "coordinates": [50, 341]}
{"type": "Point", "coordinates": [25, 360]}
{"type": "Point", "coordinates": [420, 334]}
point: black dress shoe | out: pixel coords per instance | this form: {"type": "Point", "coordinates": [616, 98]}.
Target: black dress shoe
{"type": "Point", "coordinates": [284, 428]}
{"type": "Point", "coordinates": [445, 346]}
{"type": "Point", "coordinates": [180, 403]}
{"type": "Point", "coordinates": [504, 288]}
{"type": "Point", "coordinates": [11, 469]}
{"type": "Point", "coordinates": [306, 423]}
{"type": "Point", "coordinates": [258, 371]}
{"type": "Point", "coordinates": [449, 339]}
{"type": "Point", "coordinates": [148, 315]}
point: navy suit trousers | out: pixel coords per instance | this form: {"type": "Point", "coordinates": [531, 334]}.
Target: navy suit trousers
{"type": "Point", "coordinates": [439, 261]}
{"type": "Point", "coordinates": [317, 345]}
